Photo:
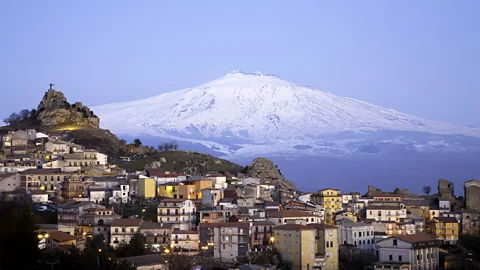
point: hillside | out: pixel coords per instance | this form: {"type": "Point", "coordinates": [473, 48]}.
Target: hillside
{"type": "Point", "coordinates": [188, 162]}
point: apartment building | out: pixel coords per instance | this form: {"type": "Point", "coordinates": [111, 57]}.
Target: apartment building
{"type": "Point", "coordinates": [230, 239]}
{"type": "Point", "coordinates": [413, 252]}
{"type": "Point", "coordinates": [178, 212]}
{"type": "Point", "coordinates": [385, 211]}
{"type": "Point", "coordinates": [330, 199]}
{"type": "Point", "coordinates": [211, 196]}
{"type": "Point", "coordinates": [68, 214]}
{"type": "Point", "coordinates": [286, 216]}
{"type": "Point", "coordinates": [216, 215]}
{"type": "Point", "coordinates": [445, 229]}
{"type": "Point", "coordinates": [43, 179]}
{"type": "Point", "coordinates": [297, 245]}
{"type": "Point", "coordinates": [262, 234]}
{"type": "Point", "coordinates": [185, 241]}
{"type": "Point", "coordinates": [327, 245]}
{"type": "Point", "coordinates": [157, 235]}
{"type": "Point", "coordinates": [122, 230]}
{"type": "Point", "coordinates": [359, 234]}
{"type": "Point", "coordinates": [96, 220]}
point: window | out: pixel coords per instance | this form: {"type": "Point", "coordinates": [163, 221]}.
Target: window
{"type": "Point", "coordinates": [354, 234]}
{"type": "Point", "coordinates": [418, 257]}
{"type": "Point", "coordinates": [331, 243]}
{"type": "Point", "coordinates": [116, 229]}
{"type": "Point", "coordinates": [327, 244]}
{"type": "Point", "coordinates": [123, 230]}
{"type": "Point", "coordinates": [395, 242]}
{"type": "Point", "coordinates": [399, 258]}
{"type": "Point", "coordinates": [390, 257]}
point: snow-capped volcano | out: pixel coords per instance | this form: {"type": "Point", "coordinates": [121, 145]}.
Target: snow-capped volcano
{"type": "Point", "coordinates": [258, 109]}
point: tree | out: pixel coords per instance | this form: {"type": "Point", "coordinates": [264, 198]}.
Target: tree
{"type": "Point", "coordinates": [24, 114]}
{"type": "Point", "coordinates": [12, 119]}
{"type": "Point", "coordinates": [135, 247]}
{"type": "Point", "coordinates": [427, 189]}
{"type": "Point", "coordinates": [137, 142]}
{"type": "Point", "coordinates": [18, 235]}
{"type": "Point", "coordinates": [33, 114]}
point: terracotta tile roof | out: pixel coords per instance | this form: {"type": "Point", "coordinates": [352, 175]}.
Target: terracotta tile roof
{"type": "Point", "coordinates": [263, 223]}
{"type": "Point", "coordinates": [416, 238]}
{"type": "Point", "coordinates": [155, 172]}
{"type": "Point", "coordinates": [126, 222]}
{"type": "Point", "coordinates": [293, 227]}
{"type": "Point", "coordinates": [289, 214]}
{"type": "Point", "coordinates": [225, 225]}
{"type": "Point", "coordinates": [61, 236]}
{"type": "Point", "coordinates": [328, 189]}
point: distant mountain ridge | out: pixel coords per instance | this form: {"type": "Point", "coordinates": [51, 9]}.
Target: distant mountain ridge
{"type": "Point", "coordinates": [251, 114]}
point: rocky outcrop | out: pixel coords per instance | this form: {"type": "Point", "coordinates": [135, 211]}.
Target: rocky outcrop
{"type": "Point", "coordinates": [268, 173]}
{"type": "Point", "coordinates": [54, 110]}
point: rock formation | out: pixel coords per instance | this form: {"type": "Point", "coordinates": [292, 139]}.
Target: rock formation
{"type": "Point", "coordinates": [54, 110]}
{"type": "Point", "coordinates": [268, 173]}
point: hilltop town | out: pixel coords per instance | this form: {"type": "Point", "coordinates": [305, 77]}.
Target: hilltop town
{"type": "Point", "coordinates": [220, 215]}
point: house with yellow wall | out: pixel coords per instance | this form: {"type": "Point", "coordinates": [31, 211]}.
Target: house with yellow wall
{"type": "Point", "coordinates": [330, 199]}
{"type": "Point", "coordinates": [326, 241]}
{"type": "Point", "coordinates": [168, 190]}
{"type": "Point", "coordinates": [445, 229]}
{"type": "Point", "coordinates": [200, 185]}
{"type": "Point", "coordinates": [296, 244]}
{"type": "Point", "coordinates": [146, 187]}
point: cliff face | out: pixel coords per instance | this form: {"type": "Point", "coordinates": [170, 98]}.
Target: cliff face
{"type": "Point", "coordinates": [268, 173]}
{"type": "Point", "coordinates": [54, 110]}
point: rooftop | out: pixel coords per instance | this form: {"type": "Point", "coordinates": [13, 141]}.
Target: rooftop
{"type": "Point", "coordinates": [126, 222]}
{"type": "Point", "coordinates": [225, 225]}
{"type": "Point", "coordinates": [289, 213]}
{"type": "Point", "coordinates": [61, 236]}
{"type": "Point", "coordinates": [416, 238]}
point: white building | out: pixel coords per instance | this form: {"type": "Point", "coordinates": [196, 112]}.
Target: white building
{"type": "Point", "coordinates": [39, 196]}
{"type": "Point", "coordinates": [295, 216]}
{"type": "Point", "coordinates": [444, 205]}
{"type": "Point", "coordinates": [386, 212]}
{"type": "Point", "coordinates": [218, 180]}
{"type": "Point", "coordinates": [305, 197]}
{"type": "Point", "coordinates": [211, 196]}
{"type": "Point", "coordinates": [180, 213]}
{"type": "Point", "coordinates": [97, 194]}
{"type": "Point", "coordinates": [346, 198]}
{"type": "Point", "coordinates": [185, 240]}
{"type": "Point", "coordinates": [415, 252]}
{"type": "Point", "coordinates": [358, 234]}
{"type": "Point", "coordinates": [122, 230]}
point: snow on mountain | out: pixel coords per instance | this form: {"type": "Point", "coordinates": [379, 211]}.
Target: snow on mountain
{"type": "Point", "coordinates": [258, 109]}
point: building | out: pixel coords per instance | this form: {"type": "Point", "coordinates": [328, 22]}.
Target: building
{"type": "Point", "coordinates": [122, 230]}
{"type": "Point", "coordinates": [218, 180]}
{"type": "Point", "coordinates": [262, 234]}
{"type": "Point", "coordinates": [413, 252]}
{"type": "Point", "coordinates": [72, 188]}
{"type": "Point", "coordinates": [38, 196]}
{"type": "Point", "coordinates": [168, 190]}
{"type": "Point", "coordinates": [217, 215]}
{"type": "Point", "coordinates": [95, 221]}
{"type": "Point", "coordinates": [13, 165]}
{"type": "Point", "coordinates": [446, 229]}
{"type": "Point", "coordinates": [147, 262]}
{"type": "Point", "coordinates": [185, 241]}
{"type": "Point", "coordinates": [327, 245]}
{"type": "Point", "coordinates": [146, 187]}
{"type": "Point", "coordinates": [68, 214]}
{"type": "Point", "coordinates": [43, 179]}
{"type": "Point", "coordinates": [287, 216]}
{"type": "Point", "coordinates": [358, 234]}
{"type": "Point", "coordinates": [178, 212]}
{"type": "Point", "coordinates": [157, 235]}
{"type": "Point", "coordinates": [472, 199]}
{"type": "Point", "coordinates": [385, 211]}
{"type": "Point", "coordinates": [200, 184]}
{"type": "Point", "coordinates": [230, 239]}
{"type": "Point", "coordinates": [297, 245]}
{"type": "Point", "coordinates": [9, 182]}
{"type": "Point", "coordinates": [211, 196]}
{"type": "Point", "coordinates": [330, 199]}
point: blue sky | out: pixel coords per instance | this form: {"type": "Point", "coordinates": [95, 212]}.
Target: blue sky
{"type": "Point", "coordinates": [418, 57]}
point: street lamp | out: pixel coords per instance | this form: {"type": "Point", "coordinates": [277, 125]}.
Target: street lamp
{"type": "Point", "coordinates": [167, 251]}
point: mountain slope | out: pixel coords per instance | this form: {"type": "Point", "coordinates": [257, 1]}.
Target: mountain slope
{"type": "Point", "coordinates": [255, 110]}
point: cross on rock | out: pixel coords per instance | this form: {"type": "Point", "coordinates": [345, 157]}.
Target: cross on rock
{"type": "Point", "coordinates": [51, 86]}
